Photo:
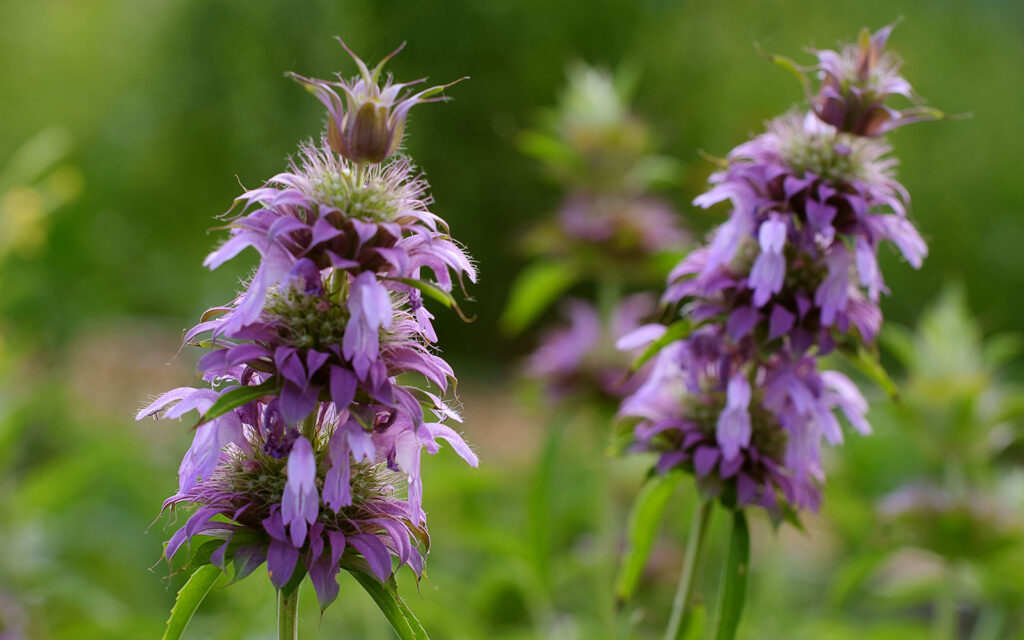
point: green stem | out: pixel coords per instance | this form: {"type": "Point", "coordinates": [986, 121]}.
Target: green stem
{"type": "Point", "coordinates": [287, 615]}
{"type": "Point", "coordinates": [360, 174]}
{"type": "Point", "coordinates": [694, 545]}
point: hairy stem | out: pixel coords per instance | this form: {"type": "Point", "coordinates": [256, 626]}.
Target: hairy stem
{"type": "Point", "coordinates": [694, 546]}
{"type": "Point", "coordinates": [287, 615]}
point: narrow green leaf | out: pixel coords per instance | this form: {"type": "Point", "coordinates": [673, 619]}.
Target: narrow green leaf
{"type": "Point", "coordinates": [675, 331]}
{"type": "Point", "coordinates": [431, 291]}
{"type": "Point", "coordinates": [434, 293]}
{"type": "Point", "coordinates": [536, 289]}
{"type": "Point", "coordinates": [391, 606]}
{"type": "Point", "coordinates": [644, 521]}
{"type": "Point", "coordinates": [189, 598]}
{"type": "Point", "coordinates": [867, 363]}
{"type": "Point", "coordinates": [238, 397]}
{"type": "Point", "coordinates": [410, 617]}
{"type": "Point", "coordinates": [734, 579]}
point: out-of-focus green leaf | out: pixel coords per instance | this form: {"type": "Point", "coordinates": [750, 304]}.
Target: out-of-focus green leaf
{"type": "Point", "coordinates": [867, 363]}
{"type": "Point", "coordinates": [536, 288]}
{"type": "Point", "coordinates": [189, 598]}
{"type": "Point", "coordinates": [675, 331]}
{"type": "Point", "coordinates": [545, 148]}
{"type": "Point", "coordinates": [899, 341]}
{"type": "Point", "coordinates": [1002, 348]}
{"type": "Point", "coordinates": [734, 579]}
{"type": "Point", "coordinates": [644, 522]}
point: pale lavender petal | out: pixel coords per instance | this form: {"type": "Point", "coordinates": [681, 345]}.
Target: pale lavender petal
{"type": "Point", "coordinates": [300, 502]}
{"type": "Point", "coordinates": [733, 428]}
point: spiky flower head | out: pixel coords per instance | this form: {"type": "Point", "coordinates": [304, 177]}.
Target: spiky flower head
{"type": "Point", "coordinates": [367, 125]}
{"type": "Point", "coordinates": [310, 446]}
{"type": "Point", "coordinates": [326, 210]}
{"type": "Point", "coordinates": [256, 506]}
{"type": "Point", "coordinates": [855, 83]}
{"type": "Point", "coordinates": [750, 429]}
{"type": "Point", "coordinates": [798, 255]}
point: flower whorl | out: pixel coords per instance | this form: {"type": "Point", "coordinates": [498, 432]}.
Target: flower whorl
{"type": "Point", "coordinates": [308, 445]}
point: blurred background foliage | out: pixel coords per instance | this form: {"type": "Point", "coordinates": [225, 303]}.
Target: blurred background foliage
{"type": "Point", "coordinates": [128, 125]}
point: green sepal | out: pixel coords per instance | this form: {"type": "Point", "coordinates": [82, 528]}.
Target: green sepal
{"type": "Point", "coordinates": [190, 596]}
{"type": "Point", "coordinates": [789, 65]}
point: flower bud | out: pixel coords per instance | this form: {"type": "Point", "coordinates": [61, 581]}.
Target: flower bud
{"type": "Point", "coordinates": [368, 125]}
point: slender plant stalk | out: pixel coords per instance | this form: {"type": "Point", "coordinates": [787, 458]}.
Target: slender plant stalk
{"type": "Point", "coordinates": [694, 546]}
{"type": "Point", "coordinates": [287, 615]}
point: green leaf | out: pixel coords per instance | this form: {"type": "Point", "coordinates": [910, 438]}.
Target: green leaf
{"type": "Point", "coordinates": [536, 288]}
{"type": "Point", "coordinates": [644, 521]}
{"type": "Point", "coordinates": [434, 292]}
{"type": "Point", "coordinates": [394, 609]}
{"type": "Point", "coordinates": [899, 341]}
{"type": "Point", "coordinates": [675, 331]}
{"type": "Point", "coordinates": [867, 363]}
{"type": "Point", "coordinates": [734, 579]}
{"type": "Point", "coordinates": [238, 397]}
{"type": "Point", "coordinates": [189, 598]}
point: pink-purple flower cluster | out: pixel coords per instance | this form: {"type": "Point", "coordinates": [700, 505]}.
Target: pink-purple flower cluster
{"type": "Point", "coordinates": [307, 452]}
{"type": "Point", "coordinates": [739, 397]}
{"type": "Point", "coordinates": [579, 357]}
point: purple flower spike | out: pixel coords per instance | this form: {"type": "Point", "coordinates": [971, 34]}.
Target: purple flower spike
{"type": "Point", "coordinates": [790, 276]}
{"type": "Point", "coordinates": [299, 505]}
{"type": "Point", "coordinates": [368, 125]}
{"type": "Point", "coordinates": [329, 349]}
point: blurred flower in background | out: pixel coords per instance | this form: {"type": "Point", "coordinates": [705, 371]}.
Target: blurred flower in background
{"type": "Point", "coordinates": [952, 536]}
{"type": "Point", "coordinates": [611, 234]}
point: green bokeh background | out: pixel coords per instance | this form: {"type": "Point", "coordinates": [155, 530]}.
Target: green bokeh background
{"type": "Point", "coordinates": [169, 105]}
